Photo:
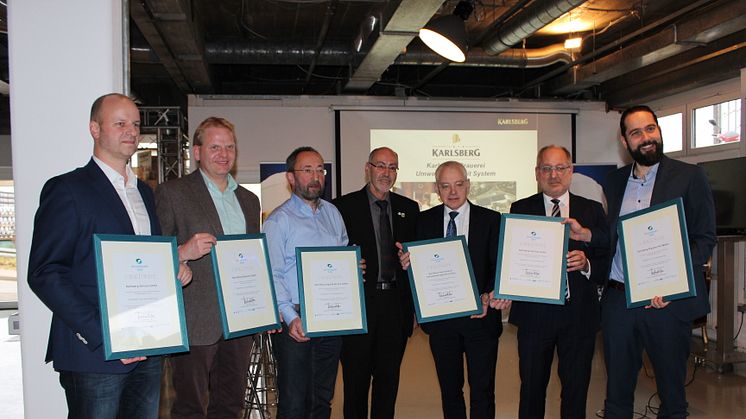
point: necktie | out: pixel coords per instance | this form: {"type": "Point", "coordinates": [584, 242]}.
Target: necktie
{"type": "Point", "coordinates": [556, 213]}
{"type": "Point", "coordinates": [556, 208]}
{"type": "Point", "coordinates": [389, 261]}
{"type": "Point", "coordinates": [451, 230]}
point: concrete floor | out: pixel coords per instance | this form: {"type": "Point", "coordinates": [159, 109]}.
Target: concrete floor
{"type": "Point", "coordinates": [711, 396]}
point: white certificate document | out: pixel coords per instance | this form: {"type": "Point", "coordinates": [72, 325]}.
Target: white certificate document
{"type": "Point", "coordinates": [442, 279]}
{"type": "Point", "coordinates": [331, 291]}
{"type": "Point", "coordinates": [655, 254]}
{"type": "Point", "coordinates": [531, 262]}
{"type": "Point", "coordinates": [244, 282]}
{"type": "Point", "coordinates": [142, 311]}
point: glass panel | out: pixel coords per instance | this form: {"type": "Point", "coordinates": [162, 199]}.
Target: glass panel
{"type": "Point", "coordinates": [673, 138]}
{"type": "Point", "coordinates": [717, 124]}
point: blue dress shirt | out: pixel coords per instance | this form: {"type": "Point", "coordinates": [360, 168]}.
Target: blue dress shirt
{"type": "Point", "coordinates": [294, 224]}
{"type": "Point", "coordinates": [229, 210]}
{"type": "Point", "coordinates": [637, 196]}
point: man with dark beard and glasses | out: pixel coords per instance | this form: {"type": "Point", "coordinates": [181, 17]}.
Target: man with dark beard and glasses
{"type": "Point", "coordinates": [307, 367]}
{"type": "Point", "coordinates": [662, 329]}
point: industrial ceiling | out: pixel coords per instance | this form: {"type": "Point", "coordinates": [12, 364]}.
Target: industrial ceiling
{"type": "Point", "coordinates": [632, 51]}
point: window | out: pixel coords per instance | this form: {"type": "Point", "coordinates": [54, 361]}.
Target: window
{"type": "Point", "coordinates": [672, 132]}
{"type": "Point", "coordinates": [717, 124]}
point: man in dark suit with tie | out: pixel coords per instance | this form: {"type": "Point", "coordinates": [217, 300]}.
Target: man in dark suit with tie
{"type": "Point", "coordinates": [663, 328]}
{"type": "Point", "coordinates": [210, 380]}
{"type": "Point", "coordinates": [376, 219]}
{"type": "Point", "coordinates": [475, 336]}
{"type": "Point", "coordinates": [102, 197]}
{"type": "Point", "coordinates": [570, 328]}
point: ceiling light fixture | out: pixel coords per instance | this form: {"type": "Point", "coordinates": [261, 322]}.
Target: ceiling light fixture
{"type": "Point", "coordinates": [573, 43]}
{"type": "Point", "coordinates": [446, 35]}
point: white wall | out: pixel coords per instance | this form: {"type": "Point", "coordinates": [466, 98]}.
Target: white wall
{"type": "Point", "coordinates": [63, 54]}
{"type": "Point", "coordinates": [598, 138]}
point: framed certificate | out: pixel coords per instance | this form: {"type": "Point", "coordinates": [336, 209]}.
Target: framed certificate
{"type": "Point", "coordinates": [142, 310]}
{"type": "Point", "coordinates": [531, 259]}
{"type": "Point", "coordinates": [654, 244]}
{"type": "Point", "coordinates": [243, 278]}
{"type": "Point", "coordinates": [330, 288]}
{"type": "Point", "coordinates": [442, 279]}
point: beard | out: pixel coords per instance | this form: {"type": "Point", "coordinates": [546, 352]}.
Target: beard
{"type": "Point", "coordinates": [650, 158]}
{"type": "Point", "coordinates": [307, 194]}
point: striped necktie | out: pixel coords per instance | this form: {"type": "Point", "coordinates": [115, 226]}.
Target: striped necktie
{"type": "Point", "coordinates": [556, 213]}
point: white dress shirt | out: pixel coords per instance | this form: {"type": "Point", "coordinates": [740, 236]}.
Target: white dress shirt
{"type": "Point", "coordinates": [461, 220]}
{"type": "Point", "coordinates": [130, 196]}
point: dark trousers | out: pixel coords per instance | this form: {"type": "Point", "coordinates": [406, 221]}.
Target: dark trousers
{"type": "Point", "coordinates": [306, 374]}
{"type": "Point", "coordinates": [480, 348]}
{"type": "Point", "coordinates": [210, 381]}
{"type": "Point", "coordinates": [377, 354]}
{"type": "Point", "coordinates": [133, 395]}
{"type": "Point", "coordinates": [665, 338]}
{"type": "Point", "coordinates": [575, 357]}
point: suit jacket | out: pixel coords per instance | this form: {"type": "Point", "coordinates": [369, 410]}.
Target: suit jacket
{"type": "Point", "coordinates": [674, 179]}
{"type": "Point", "coordinates": [583, 308]}
{"type": "Point", "coordinates": [185, 208]}
{"type": "Point", "coordinates": [484, 233]}
{"type": "Point", "coordinates": [355, 210]}
{"type": "Point", "coordinates": [62, 268]}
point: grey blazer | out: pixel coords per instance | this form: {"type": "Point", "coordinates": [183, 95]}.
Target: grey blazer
{"type": "Point", "coordinates": [184, 208]}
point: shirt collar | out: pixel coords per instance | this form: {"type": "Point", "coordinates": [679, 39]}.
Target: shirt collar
{"type": "Point", "coordinates": [114, 176]}
{"type": "Point", "coordinates": [649, 176]}
{"type": "Point", "coordinates": [564, 199]}
{"type": "Point", "coordinates": [301, 205]}
{"type": "Point", "coordinates": [460, 209]}
{"type": "Point", "coordinates": [372, 198]}
{"type": "Point", "coordinates": [232, 185]}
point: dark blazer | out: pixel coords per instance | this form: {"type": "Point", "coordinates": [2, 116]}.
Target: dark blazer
{"type": "Point", "coordinates": [583, 307]}
{"type": "Point", "coordinates": [484, 233]}
{"type": "Point", "coordinates": [674, 179]}
{"type": "Point", "coordinates": [355, 210]}
{"type": "Point", "coordinates": [62, 268]}
{"type": "Point", "coordinates": [185, 208]}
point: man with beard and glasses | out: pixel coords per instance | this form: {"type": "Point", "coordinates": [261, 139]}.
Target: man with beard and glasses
{"type": "Point", "coordinates": [662, 329]}
{"type": "Point", "coordinates": [307, 367]}
{"type": "Point", "coordinates": [376, 218]}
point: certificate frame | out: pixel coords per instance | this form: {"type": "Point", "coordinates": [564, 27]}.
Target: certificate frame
{"type": "Point", "coordinates": [657, 220]}
{"type": "Point", "coordinates": [255, 245]}
{"type": "Point", "coordinates": [111, 250]}
{"type": "Point", "coordinates": [433, 248]}
{"type": "Point", "coordinates": [346, 257]}
{"type": "Point", "coordinates": [527, 225]}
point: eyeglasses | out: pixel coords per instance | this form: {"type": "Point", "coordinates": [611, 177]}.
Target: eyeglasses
{"type": "Point", "coordinates": [308, 171]}
{"type": "Point", "coordinates": [637, 133]}
{"type": "Point", "coordinates": [560, 169]}
{"type": "Point", "coordinates": [458, 185]}
{"type": "Point", "coordinates": [383, 166]}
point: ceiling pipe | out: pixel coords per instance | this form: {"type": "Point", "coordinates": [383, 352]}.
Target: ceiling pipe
{"type": "Point", "coordinates": [511, 58]}
{"type": "Point", "coordinates": [331, 9]}
{"type": "Point", "coordinates": [269, 53]}
{"type": "Point", "coordinates": [537, 15]}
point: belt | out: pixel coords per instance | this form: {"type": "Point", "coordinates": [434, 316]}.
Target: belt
{"type": "Point", "coordinates": [385, 285]}
{"type": "Point", "coordinates": [615, 285]}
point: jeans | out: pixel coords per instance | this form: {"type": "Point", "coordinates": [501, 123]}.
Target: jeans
{"type": "Point", "coordinates": [306, 374]}
{"type": "Point", "coordinates": [133, 395]}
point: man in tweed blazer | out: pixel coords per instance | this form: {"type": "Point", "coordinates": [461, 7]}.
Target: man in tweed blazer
{"type": "Point", "coordinates": [210, 380]}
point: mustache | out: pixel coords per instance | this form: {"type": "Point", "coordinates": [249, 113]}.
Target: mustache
{"type": "Point", "coordinates": [314, 184]}
{"type": "Point", "coordinates": [647, 143]}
